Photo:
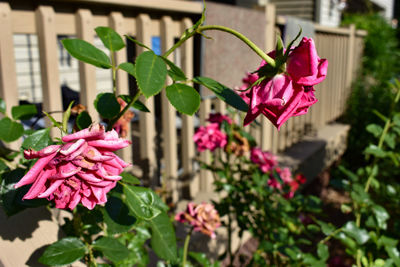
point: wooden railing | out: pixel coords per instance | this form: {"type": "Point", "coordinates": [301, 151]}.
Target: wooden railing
{"type": "Point", "coordinates": [167, 19]}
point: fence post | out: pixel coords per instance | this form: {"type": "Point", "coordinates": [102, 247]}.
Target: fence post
{"type": "Point", "coordinates": [117, 23]}
{"type": "Point", "coordinates": [267, 130]}
{"type": "Point", "coordinates": [350, 56]}
{"type": "Point", "coordinates": [87, 72]}
{"type": "Point", "coordinates": [188, 151]}
{"type": "Point", "coordinates": [47, 38]}
{"type": "Point", "coordinates": [169, 142]}
{"type": "Point", "coordinates": [147, 120]}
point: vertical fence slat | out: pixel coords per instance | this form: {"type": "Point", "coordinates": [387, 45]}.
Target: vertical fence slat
{"type": "Point", "coordinates": [147, 120]}
{"type": "Point", "coordinates": [169, 142]}
{"type": "Point", "coordinates": [8, 75]}
{"type": "Point", "coordinates": [267, 129]}
{"type": "Point", "coordinates": [87, 72]}
{"type": "Point", "coordinates": [350, 56]}
{"type": "Point", "coordinates": [117, 23]}
{"type": "Point", "coordinates": [188, 151]}
{"type": "Point", "coordinates": [47, 39]}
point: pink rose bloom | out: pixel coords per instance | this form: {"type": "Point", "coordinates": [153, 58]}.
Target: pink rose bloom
{"type": "Point", "coordinates": [288, 94]}
{"type": "Point", "coordinates": [247, 82]}
{"type": "Point", "coordinates": [82, 170]}
{"type": "Point", "coordinates": [219, 118]}
{"type": "Point", "coordinates": [265, 160]}
{"type": "Point", "coordinates": [272, 182]}
{"type": "Point", "coordinates": [203, 217]}
{"type": "Point", "coordinates": [304, 65]}
{"type": "Point", "coordinates": [209, 137]}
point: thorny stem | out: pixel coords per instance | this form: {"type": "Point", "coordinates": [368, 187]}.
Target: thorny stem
{"type": "Point", "coordinates": [237, 34]}
{"type": "Point", "coordinates": [114, 73]}
{"type": "Point", "coordinates": [186, 246]}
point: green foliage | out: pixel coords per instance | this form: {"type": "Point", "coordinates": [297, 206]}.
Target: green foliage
{"type": "Point", "coordinates": [23, 112]}
{"type": "Point", "coordinates": [63, 252]}
{"type": "Point", "coordinates": [83, 120]}
{"type": "Point", "coordinates": [111, 248]}
{"type": "Point", "coordinates": [222, 92]}
{"type": "Point", "coordinates": [10, 130]}
{"type": "Point", "coordinates": [184, 98]}
{"type": "Point", "coordinates": [37, 140]}
{"type": "Point", "coordinates": [86, 52]}
{"type": "Point", "coordinates": [107, 105]}
{"type": "Point", "coordinates": [151, 73]}
{"type": "Point", "coordinates": [111, 39]}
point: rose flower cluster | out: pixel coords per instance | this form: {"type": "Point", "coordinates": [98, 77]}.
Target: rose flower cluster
{"type": "Point", "coordinates": [288, 93]}
{"type": "Point", "coordinates": [203, 217]}
{"type": "Point", "coordinates": [81, 170]}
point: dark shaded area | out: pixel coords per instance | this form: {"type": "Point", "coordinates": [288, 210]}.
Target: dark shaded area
{"type": "Point", "coordinates": [17, 226]}
{"type": "Point", "coordinates": [33, 259]}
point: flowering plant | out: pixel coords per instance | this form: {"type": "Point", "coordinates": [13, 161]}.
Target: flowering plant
{"type": "Point", "coordinates": [262, 197]}
{"type": "Point", "coordinates": [112, 215]}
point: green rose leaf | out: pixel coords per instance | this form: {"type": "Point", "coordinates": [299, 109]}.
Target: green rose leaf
{"type": "Point", "coordinates": [360, 235]}
{"type": "Point", "coordinates": [138, 43]}
{"type": "Point", "coordinates": [184, 98]}
{"type": "Point", "coordinates": [326, 228]}
{"type": "Point", "coordinates": [11, 198]}
{"type": "Point", "coordinates": [201, 258]}
{"type": "Point", "coordinates": [375, 129]}
{"type": "Point", "coordinates": [137, 105]}
{"type": "Point", "coordinates": [143, 202]}
{"type": "Point", "coordinates": [23, 112]}
{"type": "Point", "coordinates": [107, 105]}
{"type": "Point", "coordinates": [66, 116]}
{"type": "Point", "coordinates": [2, 106]}
{"type": "Point", "coordinates": [128, 67]}
{"type": "Point", "coordinates": [323, 251]}
{"type": "Point", "coordinates": [375, 151]}
{"type": "Point", "coordinates": [222, 92]}
{"type": "Point", "coordinates": [116, 216]}
{"type": "Point", "coordinates": [129, 178]}
{"type": "Point", "coordinates": [151, 73]}
{"type": "Point", "coordinates": [163, 240]}
{"type": "Point", "coordinates": [86, 52]}
{"type": "Point", "coordinates": [10, 130]}
{"type": "Point", "coordinates": [175, 72]}
{"type": "Point", "coordinates": [63, 252]}
{"type": "Point", "coordinates": [83, 120]}
{"type": "Point", "coordinates": [110, 38]}
{"type": "Point", "coordinates": [381, 215]}
{"type": "Point", "coordinates": [37, 140]}
{"type": "Point", "coordinates": [111, 248]}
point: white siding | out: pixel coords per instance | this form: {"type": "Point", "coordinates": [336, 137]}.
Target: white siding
{"type": "Point", "coordinates": [28, 69]}
{"type": "Point", "coordinates": [328, 12]}
{"type": "Point", "coordinates": [387, 6]}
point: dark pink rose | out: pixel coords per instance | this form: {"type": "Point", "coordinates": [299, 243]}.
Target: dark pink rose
{"type": "Point", "coordinates": [219, 118]}
{"type": "Point", "coordinates": [304, 66]}
{"type": "Point", "coordinates": [265, 160]}
{"type": "Point", "coordinates": [203, 217]}
{"type": "Point", "coordinates": [287, 94]}
{"type": "Point", "coordinates": [81, 170]}
{"type": "Point", "coordinates": [209, 137]}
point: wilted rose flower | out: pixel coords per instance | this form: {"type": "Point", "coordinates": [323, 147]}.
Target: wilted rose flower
{"type": "Point", "coordinates": [203, 217]}
{"type": "Point", "coordinates": [265, 160]}
{"type": "Point", "coordinates": [239, 145]}
{"type": "Point", "coordinates": [82, 170]}
{"type": "Point", "coordinates": [219, 118]}
{"type": "Point", "coordinates": [209, 137]}
{"type": "Point", "coordinates": [288, 94]}
{"type": "Point", "coordinates": [122, 125]}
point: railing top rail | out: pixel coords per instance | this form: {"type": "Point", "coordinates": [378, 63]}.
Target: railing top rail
{"type": "Point", "coordinates": [166, 5]}
{"type": "Point", "coordinates": [281, 20]}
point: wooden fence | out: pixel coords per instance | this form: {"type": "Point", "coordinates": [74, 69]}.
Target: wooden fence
{"type": "Point", "coordinates": [176, 167]}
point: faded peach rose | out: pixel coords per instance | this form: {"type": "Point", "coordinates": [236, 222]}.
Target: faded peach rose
{"type": "Point", "coordinates": [203, 217]}
{"type": "Point", "coordinates": [239, 145]}
{"type": "Point", "coordinates": [122, 125]}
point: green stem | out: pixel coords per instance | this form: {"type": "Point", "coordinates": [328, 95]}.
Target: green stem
{"type": "Point", "coordinates": [133, 100]}
{"type": "Point", "coordinates": [243, 38]}
{"type": "Point", "coordinates": [326, 239]}
{"type": "Point", "coordinates": [237, 34]}
{"type": "Point", "coordinates": [114, 73]}
{"type": "Point", "coordinates": [186, 246]}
